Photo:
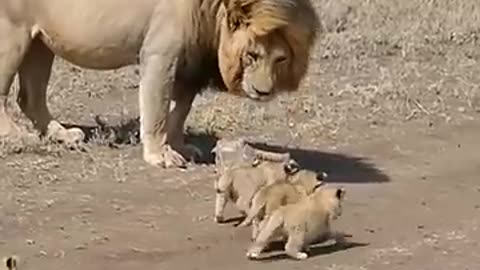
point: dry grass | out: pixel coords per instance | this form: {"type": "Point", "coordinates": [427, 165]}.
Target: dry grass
{"type": "Point", "coordinates": [378, 62]}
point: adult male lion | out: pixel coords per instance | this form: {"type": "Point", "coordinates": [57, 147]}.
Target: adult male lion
{"type": "Point", "coordinates": [253, 48]}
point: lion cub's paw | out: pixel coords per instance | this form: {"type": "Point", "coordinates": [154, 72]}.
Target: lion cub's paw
{"type": "Point", "coordinates": [166, 157]}
{"type": "Point", "coordinates": [254, 252]}
{"type": "Point", "coordinates": [300, 256]}
{"type": "Point", "coordinates": [219, 219]}
{"type": "Point", "coordinates": [252, 255]}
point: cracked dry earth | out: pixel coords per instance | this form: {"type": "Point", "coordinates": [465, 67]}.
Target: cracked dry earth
{"type": "Point", "coordinates": [399, 129]}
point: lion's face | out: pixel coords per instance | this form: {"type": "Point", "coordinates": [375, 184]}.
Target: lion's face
{"type": "Point", "coordinates": [264, 60]}
{"type": "Point", "coordinates": [262, 52]}
{"type": "Point", "coordinates": [253, 66]}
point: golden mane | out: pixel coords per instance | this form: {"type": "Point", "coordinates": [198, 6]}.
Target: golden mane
{"type": "Point", "coordinates": [295, 20]}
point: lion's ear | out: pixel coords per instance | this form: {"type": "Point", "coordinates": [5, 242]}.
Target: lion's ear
{"type": "Point", "coordinates": [237, 13]}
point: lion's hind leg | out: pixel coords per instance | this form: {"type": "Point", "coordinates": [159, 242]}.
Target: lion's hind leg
{"type": "Point", "coordinates": [34, 73]}
{"type": "Point", "coordinates": [14, 43]}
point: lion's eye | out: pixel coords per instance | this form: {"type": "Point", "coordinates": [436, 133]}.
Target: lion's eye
{"type": "Point", "coordinates": [281, 59]}
{"type": "Point", "coordinates": [252, 55]}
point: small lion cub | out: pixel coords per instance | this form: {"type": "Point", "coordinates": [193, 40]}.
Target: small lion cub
{"type": "Point", "coordinates": [271, 197]}
{"type": "Point", "coordinates": [239, 184]}
{"type": "Point", "coordinates": [302, 222]}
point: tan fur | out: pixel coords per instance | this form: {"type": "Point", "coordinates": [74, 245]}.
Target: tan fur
{"type": "Point", "coordinates": [303, 222]}
{"type": "Point", "coordinates": [232, 152]}
{"type": "Point", "coordinates": [10, 263]}
{"type": "Point", "coordinates": [239, 184]}
{"type": "Point", "coordinates": [252, 48]}
{"type": "Point", "coordinates": [271, 197]}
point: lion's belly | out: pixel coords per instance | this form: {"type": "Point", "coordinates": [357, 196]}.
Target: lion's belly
{"type": "Point", "coordinates": [100, 34]}
{"type": "Point", "coordinates": [94, 56]}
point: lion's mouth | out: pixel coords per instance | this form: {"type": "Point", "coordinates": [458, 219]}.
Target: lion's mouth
{"type": "Point", "coordinates": [255, 94]}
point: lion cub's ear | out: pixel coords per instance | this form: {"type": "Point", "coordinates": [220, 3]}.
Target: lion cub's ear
{"type": "Point", "coordinates": [291, 167]}
{"type": "Point", "coordinates": [256, 161]}
{"type": "Point", "coordinates": [237, 13]}
{"type": "Point", "coordinates": [321, 176]}
{"type": "Point", "coordinates": [340, 194]}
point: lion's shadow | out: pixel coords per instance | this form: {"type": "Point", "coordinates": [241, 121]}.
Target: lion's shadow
{"type": "Point", "coordinates": [341, 168]}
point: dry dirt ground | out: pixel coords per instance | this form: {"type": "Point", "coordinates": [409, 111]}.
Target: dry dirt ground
{"type": "Point", "coordinates": [390, 108]}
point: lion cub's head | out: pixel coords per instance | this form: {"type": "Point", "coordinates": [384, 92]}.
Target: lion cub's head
{"type": "Point", "coordinates": [331, 199]}
{"type": "Point", "coordinates": [265, 45]}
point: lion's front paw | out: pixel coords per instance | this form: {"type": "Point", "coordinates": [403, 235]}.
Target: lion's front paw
{"type": "Point", "coordinates": [56, 132]}
{"type": "Point", "coordinates": [165, 157]}
{"type": "Point", "coordinates": [7, 126]}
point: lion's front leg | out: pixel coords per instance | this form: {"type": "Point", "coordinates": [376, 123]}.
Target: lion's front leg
{"type": "Point", "coordinates": [176, 138]}
{"type": "Point", "coordinates": [156, 84]}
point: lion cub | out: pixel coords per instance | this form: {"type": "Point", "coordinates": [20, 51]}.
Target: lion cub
{"type": "Point", "coordinates": [239, 184]}
{"type": "Point", "coordinates": [10, 263]}
{"type": "Point", "coordinates": [302, 222]}
{"type": "Point", "coordinates": [271, 197]}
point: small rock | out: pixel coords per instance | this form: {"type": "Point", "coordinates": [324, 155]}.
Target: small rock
{"type": "Point", "coordinates": [49, 202]}
{"type": "Point", "coordinates": [462, 109]}
{"type": "Point", "coordinates": [43, 253]}
{"type": "Point", "coordinates": [30, 242]}
{"type": "Point", "coordinates": [421, 227]}
{"type": "Point", "coordinates": [81, 247]}
{"type": "Point", "coordinates": [87, 211]}
{"type": "Point", "coordinates": [59, 254]}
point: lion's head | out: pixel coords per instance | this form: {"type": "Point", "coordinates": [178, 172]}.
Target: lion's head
{"type": "Point", "coordinates": [264, 45]}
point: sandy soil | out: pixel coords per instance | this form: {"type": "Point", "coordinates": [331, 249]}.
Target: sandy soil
{"type": "Point", "coordinates": [390, 108]}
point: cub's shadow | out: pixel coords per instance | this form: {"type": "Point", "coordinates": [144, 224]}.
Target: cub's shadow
{"type": "Point", "coordinates": [341, 168]}
{"type": "Point", "coordinates": [316, 249]}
